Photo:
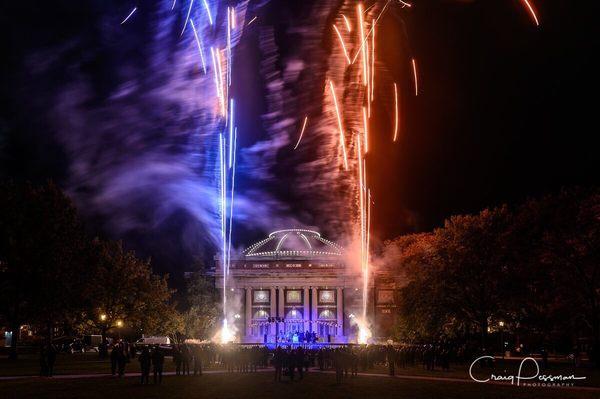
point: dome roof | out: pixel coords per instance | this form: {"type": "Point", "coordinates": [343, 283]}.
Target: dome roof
{"type": "Point", "coordinates": [294, 243]}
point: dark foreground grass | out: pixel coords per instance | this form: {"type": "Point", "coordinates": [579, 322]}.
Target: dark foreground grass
{"type": "Point", "coordinates": [261, 385]}
{"type": "Point", "coordinates": [77, 363]}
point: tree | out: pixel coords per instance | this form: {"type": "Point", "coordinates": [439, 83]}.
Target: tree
{"type": "Point", "coordinates": [43, 257]}
{"type": "Point", "coordinates": [570, 252]}
{"type": "Point", "coordinates": [125, 292]}
{"type": "Point", "coordinates": [474, 270]}
{"type": "Point", "coordinates": [202, 307]}
{"type": "Point", "coordinates": [460, 276]}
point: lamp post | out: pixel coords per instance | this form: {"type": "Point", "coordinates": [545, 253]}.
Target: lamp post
{"type": "Point", "coordinates": [501, 325]}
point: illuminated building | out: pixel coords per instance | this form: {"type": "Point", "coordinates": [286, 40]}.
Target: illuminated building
{"type": "Point", "coordinates": [296, 280]}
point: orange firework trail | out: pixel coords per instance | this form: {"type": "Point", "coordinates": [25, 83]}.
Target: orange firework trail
{"type": "Point", "coordinates": [301, 132]}
{"type": "Point", "coordinates": [373, 62]}
{"type": "Point", "coordinates": [359, 77]}
{"type": "Point", "coordinates": [366, 129]}
{"type": "Point", "coordinates": [342, 43]}
{"type": "Point", "coordinates": [348, 27]}
{"type": "Point", "coordinates": [223, 87]}
{"type": "Point", "coordinates": [361, 30]}
{"type": "Point", "coordinates": [361, 195]}
{"type": "Point", "coordinates": [217, 79]}
{"type": "Point", "coordinates": [415, 76]}
{"type": "Point", "coordinates": [396, 112]}
{"type": "Point", "coordinates": [531, 10]}
{"type": "Point", "coordinates": [340, 125]}
{"type": "Point", "coordinates": [362, 44]}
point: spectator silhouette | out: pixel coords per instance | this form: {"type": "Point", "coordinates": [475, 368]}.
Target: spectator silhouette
{"type": "Point", "coordinates": [158, 361]}
{"type": "Point", "coordinates": [145, 361]}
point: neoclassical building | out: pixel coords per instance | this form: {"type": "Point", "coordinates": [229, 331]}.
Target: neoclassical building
{"type": "Point", "coordinates": [296, 280]}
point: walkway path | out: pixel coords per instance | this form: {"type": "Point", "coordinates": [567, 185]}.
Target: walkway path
{"type": "Point", "coordinates": [379, 375]}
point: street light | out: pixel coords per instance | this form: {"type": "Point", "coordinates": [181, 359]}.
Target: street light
{"type": "Point", "coordinates": [103, 317]}
{"type": "Point", "coordinates": [119, 323]}
{"type": "Point", "coordinates": [502, 345]}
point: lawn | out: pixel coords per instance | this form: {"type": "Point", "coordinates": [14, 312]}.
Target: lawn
{"type": "Point", "coordinates": [89, 363]}
{"type": "Point", "coordinates": [501, 367]}
{"type": "Point", "coordinates": [78, 363]}
{"type": "Point", "coordinates": [261, 385]}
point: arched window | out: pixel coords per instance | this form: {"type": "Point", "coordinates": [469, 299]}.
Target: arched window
{"type": "Point", "coordinates": [261, 314]}
{"type": "Point", "coordinates": [326, 314]}
{"type": "Point", "coordinates": [294, 314]}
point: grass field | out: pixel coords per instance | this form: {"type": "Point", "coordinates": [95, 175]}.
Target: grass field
{"type": "Point", "coordinates": [78, 363]}
{"type": "Point", "coordinates": [261, 385]}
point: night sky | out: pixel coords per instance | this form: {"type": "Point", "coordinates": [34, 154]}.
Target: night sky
{"type": "Point", "coordinates": [506, 110]}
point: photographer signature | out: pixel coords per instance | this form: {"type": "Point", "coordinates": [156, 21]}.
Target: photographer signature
{"type": "Point", "coordinates": [519, 377]}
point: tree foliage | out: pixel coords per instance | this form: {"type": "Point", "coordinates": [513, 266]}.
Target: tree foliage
{"type": "Point", "coordinates": [52, 274]}
{"type": "Point", "coordinates": [43, 254]}
{"type": "Point", "coordinates": [202, 307]}
{"type": "Point", "coordinates": [125, 292]}
{"type": "Point", "coordinates": [536, 268]}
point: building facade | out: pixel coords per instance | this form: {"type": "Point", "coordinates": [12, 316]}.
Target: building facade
{"type": "Point", "coordinates": [297, 281]}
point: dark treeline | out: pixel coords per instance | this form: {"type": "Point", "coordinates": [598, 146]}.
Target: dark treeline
{"type": "Point", "coordinates": [530, 272]}
{"type": "Point", "coordinates": [58, 279]}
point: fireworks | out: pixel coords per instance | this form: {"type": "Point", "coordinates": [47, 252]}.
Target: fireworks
{"type": "Point", "coordinates": [340, 125]}
{"type": "Point", "coordinates": [365, 129]}
{"type": "Point", "coordinates": [415, 76]}
{"type": "Point", "coordinates": [347, 23]}
{"type": "Point", "coordinates": [187, 17]}
{"type": "Point", "coordinates": [207, 8]}
{"type": "Point", "coordinates": [396, 112]}
{"type": "Point", "coordinates": [129, 16]}
{"type": "Point", "coordinates": [531, 10]}
{"type": "Point", "coordinates": [199, 44]}
{"type": "Point", "coordinates": [356, 82]}
{"type": "Point", "coordinates": [363, 45]}
{"type": "Point", "coordinates": [359, 12]}
{"type": "Point", "coordinates": [301, 132]}
{"type": "Point", "coordinates": [342, 43]}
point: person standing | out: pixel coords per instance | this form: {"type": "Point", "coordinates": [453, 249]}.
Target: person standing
{"type": "Point", "coordinates": [391, 360]}
{"type": "Point", "coordinates": [321, 359]}
{"type": "Point", "coordinates": [43, 361]}
{"type": "Point", "coordinates": [114, 355]}
{"type": "Point", "coordinates": [337, 363]}
{"type": "Point", "coordinates": [186, 357]}
{"type": "Point", "coordinates": [300, 361]}
{"type": "Point", "coordinates": [198, 353]}
{"type": "Point", "coordinates": [291, 363]}
{"type": "Point", "coordinates": [158, 361]}
{"type": "Point", "coordinates": [177, 360]}
{"type": "Point", "coordinates": [277, 363]}
{"type": "Point", "coordinates": [51, 356]}
{"type": "Point", "coordinates": [145, 361]}
{"type": "Point", "coordinates": [121, 361]}
{"type": "Point", "coordinates": [354, 360]}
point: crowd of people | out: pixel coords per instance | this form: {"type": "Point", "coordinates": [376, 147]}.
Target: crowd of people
{"type": "Point", "coordinates": [288, 361]}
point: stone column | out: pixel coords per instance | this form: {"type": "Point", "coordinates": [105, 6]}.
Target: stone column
{"type": "Point", "coordinates": [248, 318]}
{"type": "Point", "coordinates": [281, 309]}
{"type": "Point", "coordinates": [314, 309]}
{"type": "Point", "coordinates": [340, 311]}
{"type": "Point", "coordinates": [305, 313]}
{"type": "Point", "coordinates": [281, 302]}
{"type": "Point", "coordinates": [273, 300]}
